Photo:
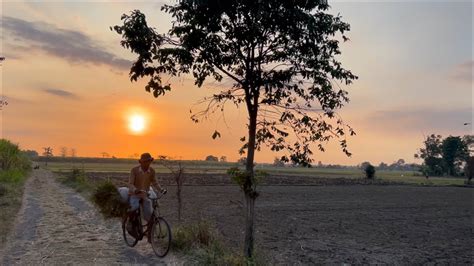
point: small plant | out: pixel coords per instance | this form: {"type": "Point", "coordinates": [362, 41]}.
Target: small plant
{"type": "Point", "coordinates": [189, 235]}
{"type": "Point", "coordinates": [107, 198]}
{"type": "Point", "coordinates": [204, 247]}
{"type": "Point", "coordinates": [77, 179]}
{"type": "Point", "coordinates": [369, 171]}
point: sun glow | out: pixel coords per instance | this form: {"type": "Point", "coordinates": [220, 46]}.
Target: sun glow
{"type": "Point", "coordinates": [136, 123]}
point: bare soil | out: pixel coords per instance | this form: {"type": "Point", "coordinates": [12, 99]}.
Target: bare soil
{"type": "Point", "coordinates": [56, 226]}
{"type": "Point", "coordinates": [340, 223]}
{"type": "Point", "coordinates": [301, 223]}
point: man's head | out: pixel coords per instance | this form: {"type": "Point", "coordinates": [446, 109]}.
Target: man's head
{"type": "Point", "coordinates": [145, 160]}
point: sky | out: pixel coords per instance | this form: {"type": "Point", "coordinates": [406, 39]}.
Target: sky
{"type": "Point", "coordinates": [66, 82]}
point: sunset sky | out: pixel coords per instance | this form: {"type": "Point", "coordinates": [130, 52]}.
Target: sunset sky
{"type": "Point", "coordinates": [66, 81]}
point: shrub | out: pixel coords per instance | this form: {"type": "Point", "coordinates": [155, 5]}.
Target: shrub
{"type": "Point", "coordinates": [12, 158]}
{"type": "Point", "coordinates": [107, 198]}
{"type": "Point", "coordinates": [187, 236]}
{"type": "Point", "coordinates": [204, 247]}
{"type": "Point", "coordinates": [369, 171]}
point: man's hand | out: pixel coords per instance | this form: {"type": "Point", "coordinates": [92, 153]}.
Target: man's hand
{"type": "Point", "coordinates": [163, 191]}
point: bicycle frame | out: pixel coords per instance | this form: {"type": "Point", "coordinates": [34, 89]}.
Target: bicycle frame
{"type": "Point", "coordinates": [155, 214]}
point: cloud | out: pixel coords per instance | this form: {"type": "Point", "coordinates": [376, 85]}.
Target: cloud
{"type": "Point", "coordinates": [424, 120]}
{"type": "Point", "coordinates": [463, 72]}
{"type": "Point", "coordinates": [61, 93]}
{"type": "Point", "coordinates": [73, 46]}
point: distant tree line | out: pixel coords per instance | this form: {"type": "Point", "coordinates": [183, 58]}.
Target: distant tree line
{"type": "Point", "coordinates": [446, 156]}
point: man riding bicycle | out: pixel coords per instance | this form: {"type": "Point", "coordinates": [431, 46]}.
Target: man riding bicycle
{"type": "Point", "coordinates": [141, 177]}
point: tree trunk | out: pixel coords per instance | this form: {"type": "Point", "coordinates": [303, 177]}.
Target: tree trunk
{"type": "Point", "coordinates": [250, 193]}
{"type": "Point", "coordinates": [178, 192]}
{"type": "Point", "coordinates": [249, 225]}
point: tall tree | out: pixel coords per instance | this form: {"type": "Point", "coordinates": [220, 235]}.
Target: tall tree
{"type": "Point", "coordinates": [63, 151]}
{"type": "Point", "coordinates": [455, 153]}
{"type": "Point", "coordinates": [431, 154]}
{"type": "Point", "coordinates": [281, 58]}
{"type": "Point", "coordinates": [47, 153]}
{"type": "Point", "coordinates": [73, 152]}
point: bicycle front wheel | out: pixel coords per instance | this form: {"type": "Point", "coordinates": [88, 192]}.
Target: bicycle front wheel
{"type": "Point", "coordinates": [160, 237]}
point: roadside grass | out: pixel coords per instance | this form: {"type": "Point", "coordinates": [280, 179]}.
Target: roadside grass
{"type": "Point", "coordinates": [201, 245]}
{"type": "Point", "coordinates": [78, 180]}
{"type": "Point", "coordinates": [11, 193]}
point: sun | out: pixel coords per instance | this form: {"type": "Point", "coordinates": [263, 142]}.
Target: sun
{"type": "Point", "coordinates": [136, 123]}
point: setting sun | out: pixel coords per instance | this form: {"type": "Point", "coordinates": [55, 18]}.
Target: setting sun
{"type": "Point", "coordinates": [136, 123]}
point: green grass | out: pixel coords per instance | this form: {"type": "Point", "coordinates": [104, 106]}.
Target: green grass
{"type": "Point", "coordinates": [78, 180]}
{"type": "Point", "coordinates": [11, 192]}
{"type": "Point", "coordinates": [13, 176]}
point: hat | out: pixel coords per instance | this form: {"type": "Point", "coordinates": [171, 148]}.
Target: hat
{"type": "Point", "coordinates": [146, 157]}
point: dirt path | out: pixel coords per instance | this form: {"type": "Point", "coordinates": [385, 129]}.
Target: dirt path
{"type": "Point", "coordinates": [56, 226]}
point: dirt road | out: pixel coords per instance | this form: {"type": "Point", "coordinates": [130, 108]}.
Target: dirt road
{"type": "Point", "coordinates": [57, 226]}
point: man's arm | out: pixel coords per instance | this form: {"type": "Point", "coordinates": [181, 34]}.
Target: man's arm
{"type": "Point", "coordinates": [131, 182]}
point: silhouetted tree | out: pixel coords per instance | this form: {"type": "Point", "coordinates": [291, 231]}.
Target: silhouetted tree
{"type": "Point", "coordinates": [431, 154]}
{"type": "Point", "coordinates": [223, 159]}
{"type": "Point", "coordinates": [364, 165]}
{"type": "Point", "coordinates": [63, 151]}
{"type": "Point", "coordinates": [242, 160]}
{"type": "Point", "coordinates": [469, 169]}
{"type": "Point", "coordinates": [383, 166]}
{"type": "Point", "coordinates": [73, 152]}
{"type": "Point", "coordinates": [32, 154]}
{"type": "Point", "coordinates": [455, 153]}
{"type": "Point", "coordinates": [278, 162]}
{"type": "Point", "coordinates": [211, 158]}
{"type": "Point", "coordinates": [369, 171]}
{"type": "Point", "coordinates": [47, 153]}
{"type": "Point", "coordinates": [281, 58]}
{"type": "Point", "coordinates": [177, 170]}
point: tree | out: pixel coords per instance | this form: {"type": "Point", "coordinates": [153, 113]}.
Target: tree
{"type": "Point", "coordinates": [469, 142]}
{"type": "Point", "coordinates": [223, 159]}
{"type": "Point", "coordinates": [364, 165]}
{"type": "Point", "coordinates": [455, 153]}
{"type": "Point", "coordinates": [369, 171]}
{"type": "Point", "coordinates": [242, 160]}
{"type": "Point", "coordinates": [280, 56]}
{"type": "Point", "coordinates": [431, 154]}
{"type": "Point", "coordinates": [105, 154]}
{"type": "Point", "coordinates": [211, 158]}
{"type": "Point", "coordinates": [47, 153]}
{"type": "Point", "coordinates": [63, 151]}
{"type": "Point", "coordinates": [469, 169]}
{"type": "Point", "coordinates": [383, 166]}
{"type": "Point", "coordinates": [177, 170]}
{"type": "Point", "coordinates": [73, 152]}
{"type": "Point", "coordinates": [278, 162]}
{"type": "Point", "coordinates": [32, 154]}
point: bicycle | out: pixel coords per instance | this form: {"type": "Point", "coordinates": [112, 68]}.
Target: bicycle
{"type": "Point", "coordinates": [160, 234]}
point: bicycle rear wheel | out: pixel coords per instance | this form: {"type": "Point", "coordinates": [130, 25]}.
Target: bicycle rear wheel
{"type": "Point", "coordinates": [160, 237]}
{"type": "Point", "coordinates": [130, 231]}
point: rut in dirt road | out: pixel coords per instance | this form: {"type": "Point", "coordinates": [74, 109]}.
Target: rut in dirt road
{"type": "Point", "coordinates": [56, 225]}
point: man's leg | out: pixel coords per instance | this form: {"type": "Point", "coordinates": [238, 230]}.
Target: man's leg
{"type": "Point", "coordinates": [147, 209]}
